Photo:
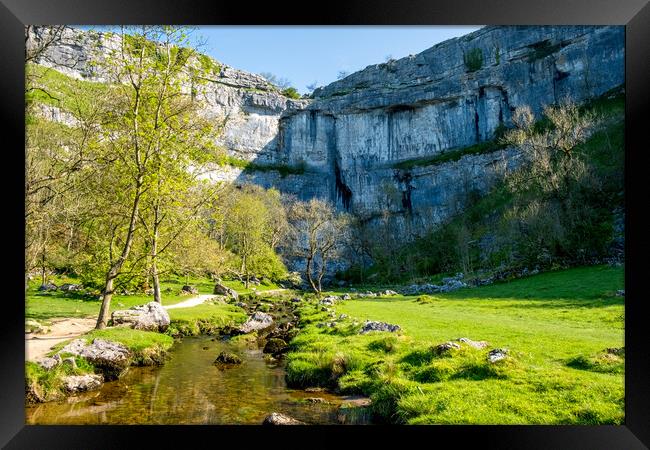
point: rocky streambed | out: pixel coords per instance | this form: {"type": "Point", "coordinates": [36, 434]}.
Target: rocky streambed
{"type": "Point", "coordinates": [195, 387]}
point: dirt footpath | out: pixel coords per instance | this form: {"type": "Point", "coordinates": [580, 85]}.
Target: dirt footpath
{"type": "Point", "coordinates": [37, 345]}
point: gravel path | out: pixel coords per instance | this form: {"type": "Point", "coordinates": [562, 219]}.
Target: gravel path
{"type": "Point", "coordinates": [37, 345]}
{"type": "Point", "coordinates": [201, 298]}
{"type": "Point", "coordinates": [68, 328]}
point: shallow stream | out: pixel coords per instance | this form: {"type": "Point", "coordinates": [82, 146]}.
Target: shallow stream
{"type": "Point", "coordinates": [189, 389]}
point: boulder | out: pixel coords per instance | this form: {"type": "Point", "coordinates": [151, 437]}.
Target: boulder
{"type": "Point", "coordinates": [149, 317]}
{"type": "Point", "coordinates": [220, 289]}
{"type": "Point", "coordinates": [378, 326]}
{"type": "Point", "coordinates": [190, 289]}
{"type": "Point", "coordinates": [316, 400]}
{"type": "Point", "coordinates": [227, 358]}
{"type": "Point", "coordinates": [241, 305]}
{"type": "Point", "coordinates": [274, 345]}
{"type": "Point", "coordinates": [346, 297]}
{"type": "Point", "coordinates": [69, 287]}
{"type": "Point", "coordinates": [471, 343]}
{"type": "Point", "coordinates": [497, 354]}
{"type": "Point", "coordinates": [281, 419]}
{"type": "Point", "coordinates": [82, 383]}
{"type": "Point", "coordinates": [258, 321]}
{"type": "Point", "coordinates": [48, 287]}
{"type": "Point", "coordinates": [444, 348]}
{"type": "Point", "coordinates": [48, 363]}
{"type": "Point", "coordinates": [330, 300]}
{"type": "Point", "coordinates": [111, 358]}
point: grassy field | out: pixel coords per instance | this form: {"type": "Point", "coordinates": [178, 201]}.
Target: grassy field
{"type": "Point", "coordinates": [204, 319]}
{"type": "Point", "coordinates": [47, 305]}
{"type": "Point", "coordinates": [556, 327]}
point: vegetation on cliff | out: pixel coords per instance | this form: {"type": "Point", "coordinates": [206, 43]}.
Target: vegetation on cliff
{"type": "Point", "coordinates": [559, 208]}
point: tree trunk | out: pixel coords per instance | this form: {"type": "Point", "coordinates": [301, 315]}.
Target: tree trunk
{"type": "Point", "coordinates": [321, 273]}
{"type": "Point", "coordinates": [117, 266]}
{"type": "Point", "coordinates": [154, 258]}
{"type": "Point", "coordinates": [157, 297]}
{"type": "Point", "coordinates": [310, 278]}
{"type": "Point", "coordinates": [43, 279]}
{"type": "Point", "coordinates": [102, 320]}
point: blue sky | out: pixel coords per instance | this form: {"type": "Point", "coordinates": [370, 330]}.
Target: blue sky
{"type": "Point", "coordinates": [307, 54]}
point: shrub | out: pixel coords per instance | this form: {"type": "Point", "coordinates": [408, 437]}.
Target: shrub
{"type": "Point", "coordinates": [291, 92]}
{"type": "Point", "coordinates": [473, 59]}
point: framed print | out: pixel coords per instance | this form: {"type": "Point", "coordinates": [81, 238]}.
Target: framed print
{"type": "Point", "coordinates": [421, 219]}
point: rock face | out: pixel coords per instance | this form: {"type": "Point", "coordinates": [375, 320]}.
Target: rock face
{"type": "Point", "coordinates": [359, 129]}
{"type": "Point", "coordinates": [111, 358]}
{"type": "Point", "coordinates": [258, 321]}
{"type": "Point", "coordinates": [369, 142]}
{"type": "Point", "coordinates": [281, 419]}
{"type": "Point", "coordinates": [149, 317]}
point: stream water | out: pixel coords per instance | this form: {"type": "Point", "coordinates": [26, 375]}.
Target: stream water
{"type": "Point", "coordinates": [189, 389]}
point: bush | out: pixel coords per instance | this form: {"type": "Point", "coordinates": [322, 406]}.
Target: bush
{"type": "Point", "coordinates": [291, 92]}
{"type": "Point", "coordinates": [473, 59]}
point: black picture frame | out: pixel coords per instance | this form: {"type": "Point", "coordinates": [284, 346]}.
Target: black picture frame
{"type": "Point", "coordinates": [634, 14]}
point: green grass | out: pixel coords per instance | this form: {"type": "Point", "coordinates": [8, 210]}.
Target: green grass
{"type": "Point", "coordinates": [451, 155]}
{"type": "Point", "coordinates": [47, 385]}
{"type": "Point", "coordinates": [48, 305]}
{"type": "Point", "coordinates": [51, 87]}
{"type": "Point", "coordinates": [556, 327]}
{"type": "Point", "coordinates": [147, 347]}
{"type": "Point", "coordinates": [204, 319]}
{"type": "Point", "coordinates": [43, 306]}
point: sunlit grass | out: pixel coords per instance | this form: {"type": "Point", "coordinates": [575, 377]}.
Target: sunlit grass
{"type": "Point", "coordinates": [556, 327]}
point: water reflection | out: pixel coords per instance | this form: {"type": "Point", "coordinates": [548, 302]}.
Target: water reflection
{"type": "Point", "coordinates": [189, 389]}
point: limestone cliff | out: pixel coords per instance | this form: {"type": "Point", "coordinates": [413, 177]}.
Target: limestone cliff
{"type": "Point", "coordinates": [372, 141]}
{"type": "Point", "coordinates": [456, 94]}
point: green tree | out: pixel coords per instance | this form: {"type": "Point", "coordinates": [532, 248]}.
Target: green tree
{"type": "Point", "coordinates": [152, 124]}
{"type": "Point", "coordinates": [246, 225]}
